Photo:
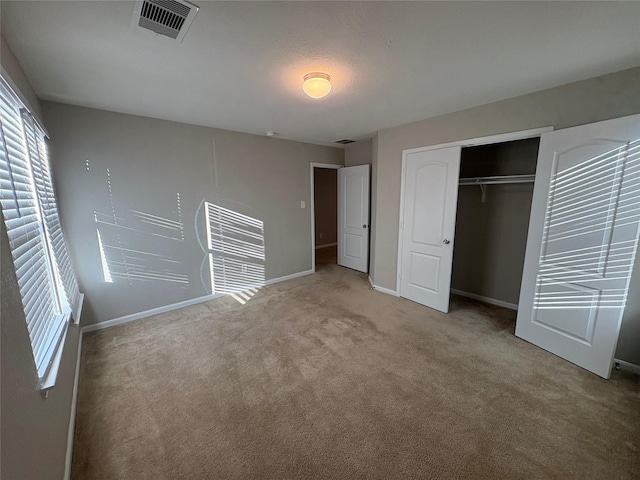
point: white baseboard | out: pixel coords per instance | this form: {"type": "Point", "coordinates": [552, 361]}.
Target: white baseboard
{"type": "Point", "coordinates": [326, 245]}
{"type": "Point", "coordinates": [629, 367]}
{"type": "Point", "coordinates": [147, 313]}
{"type": "Point", "coordinates": [174, 306]}
{"type": "Point", "coordinates": [492, 301]}
{"type": "Point", "coordinates": [386, 290]}
{"type": "Point", "coordinates": [383, 290]}
{"type": "Point", "coordinates": [288, 277]}
{"type": "Point", "coordinates": [72, 416]}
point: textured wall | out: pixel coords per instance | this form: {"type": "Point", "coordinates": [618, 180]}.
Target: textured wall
{"type": "Point", "coordinates": [15, 76]}
{"type": "Point", "coordinates": [491, 237]}
{"type": "Point", "coordinates": [490, 241]}
{"type": "Point", "coordinates": [588, 101]}
{"type": "Point", "coordinates": [326, 205]}
{"type": "Point", "coordinates": [142, 185]}
{"type": "Point", "coordinates": [629, 340]}
{"type": "Point", "coordinates": [358, 153]}
{"type": "Point", "coordinates": [33, 429]}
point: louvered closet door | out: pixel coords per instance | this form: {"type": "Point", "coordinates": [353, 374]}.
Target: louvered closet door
{"type": "Point", "coordinates": [583, 236]}
{"type": "Point", "coordinates": [25, 231]}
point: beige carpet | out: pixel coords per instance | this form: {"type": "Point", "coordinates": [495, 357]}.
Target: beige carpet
{"type": "Point", "coordinates": [321, 377]}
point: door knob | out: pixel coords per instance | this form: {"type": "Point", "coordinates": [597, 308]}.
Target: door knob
{"type": "Point", "coordinates": [446, 241]}
{"type": "Point", "coordinates": [364, 226]}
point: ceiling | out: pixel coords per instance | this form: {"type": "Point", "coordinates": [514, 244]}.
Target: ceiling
{"type": "Point", "coordinates": [241, 64]}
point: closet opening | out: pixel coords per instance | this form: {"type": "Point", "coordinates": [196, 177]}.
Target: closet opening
{"type": "Point", "coordinates": [492, 221]}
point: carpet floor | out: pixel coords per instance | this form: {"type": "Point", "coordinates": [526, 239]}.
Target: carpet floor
{"type": "Point", "coordinates": [322, 377]}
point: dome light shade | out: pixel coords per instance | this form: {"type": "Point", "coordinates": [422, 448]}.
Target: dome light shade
{"type": "Point", "coordinates": [316, 84]}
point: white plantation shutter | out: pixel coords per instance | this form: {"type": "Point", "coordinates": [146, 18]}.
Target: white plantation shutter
{"type": "Point", "coordinates": [49, 209]}
{"type": "Point", "coordinates": [23, 179]}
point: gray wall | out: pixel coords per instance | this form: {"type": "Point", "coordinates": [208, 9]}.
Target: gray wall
{"type": "Point", "coordinates": [33, 438]}
{"type": "Point", "coordinates": [490, 241]}
{"type": "Point", "coordinates": [326, 205]}
{"type": "Point", "coordinates": [629, 340]}
{"type": "Point", "coordinates": [491, 237]}
{"type": "Point", "coordinates": [588, 101]}
{"type": "Point", "coordinates": [13, 73]}
{"type": "Point", "coordinates": [358, 153]}
{"type": "Point", "coordinates": [121, 175]}
{"type": "Point", "coordinates": [33, 430]}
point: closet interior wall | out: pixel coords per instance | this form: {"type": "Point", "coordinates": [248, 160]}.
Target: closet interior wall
{"type": "Point", "coordinates": [491, 236]}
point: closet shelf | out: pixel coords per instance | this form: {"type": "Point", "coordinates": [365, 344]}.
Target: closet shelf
{"type": "Point", "coordinates": [497, 180]}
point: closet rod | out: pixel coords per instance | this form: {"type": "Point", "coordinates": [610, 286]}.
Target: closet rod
{"type": "Point", "coordinates": [497, 180]}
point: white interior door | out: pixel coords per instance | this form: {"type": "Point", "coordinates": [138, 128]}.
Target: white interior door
{"type": "Point", "coordinates": [353, 217]}
{"type": "Point", "coordinates": [583, 236]}
{"type": "Point", "coordinates": [428, 225]}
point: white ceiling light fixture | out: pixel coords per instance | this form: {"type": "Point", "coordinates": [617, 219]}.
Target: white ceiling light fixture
{"type": "Point", "coordinates": [316, 84]}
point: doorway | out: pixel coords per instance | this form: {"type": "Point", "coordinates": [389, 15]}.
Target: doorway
{"type": "Point", "coordinates": [492, 220]}
{"type": "Point", "coordinates": [325, 214]}
{"type": "Point", "coordinates": [426, 236]}
{"type": "Point", "coordinates": [348, 217]}
{"type": "Point", "coordinates": [581, 241]}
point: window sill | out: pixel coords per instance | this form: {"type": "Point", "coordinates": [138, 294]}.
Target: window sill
{"type": "Point", "coordinates": [76, 321]}
{"type": "Point", "coordinates": [49, 380]}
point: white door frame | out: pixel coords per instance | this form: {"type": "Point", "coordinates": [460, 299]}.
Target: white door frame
{"type": "Point", "coordinates": [473, 142]}
{"type": "Point", "coordinates": [312, 203]}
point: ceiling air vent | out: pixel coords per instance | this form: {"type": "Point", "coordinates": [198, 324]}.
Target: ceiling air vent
{"type": "Point", "coordinates": [171, 18]}
{"type": "Point", "coordinates": [344, 141]}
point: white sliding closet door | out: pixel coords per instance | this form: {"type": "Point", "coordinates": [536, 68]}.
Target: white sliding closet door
{"type": "Point", "coordinates": [583, 236]}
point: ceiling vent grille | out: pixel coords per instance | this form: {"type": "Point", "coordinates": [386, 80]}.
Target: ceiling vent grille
{"type": "Point", "coordinates": [344, 141]}
{"type": "Point", "coordinates": [171, 18]}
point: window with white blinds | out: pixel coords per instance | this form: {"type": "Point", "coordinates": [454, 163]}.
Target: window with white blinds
{"type": "Point", "coordinates": [47, 284]}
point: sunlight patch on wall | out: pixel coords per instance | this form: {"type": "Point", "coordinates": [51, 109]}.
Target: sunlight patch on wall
{"type": "Point", "coordinates": [103, 258]}
{"type": "Point", "coordinates": [236, 252]}
{"type": "Point", "coordinates": [134, 245]}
